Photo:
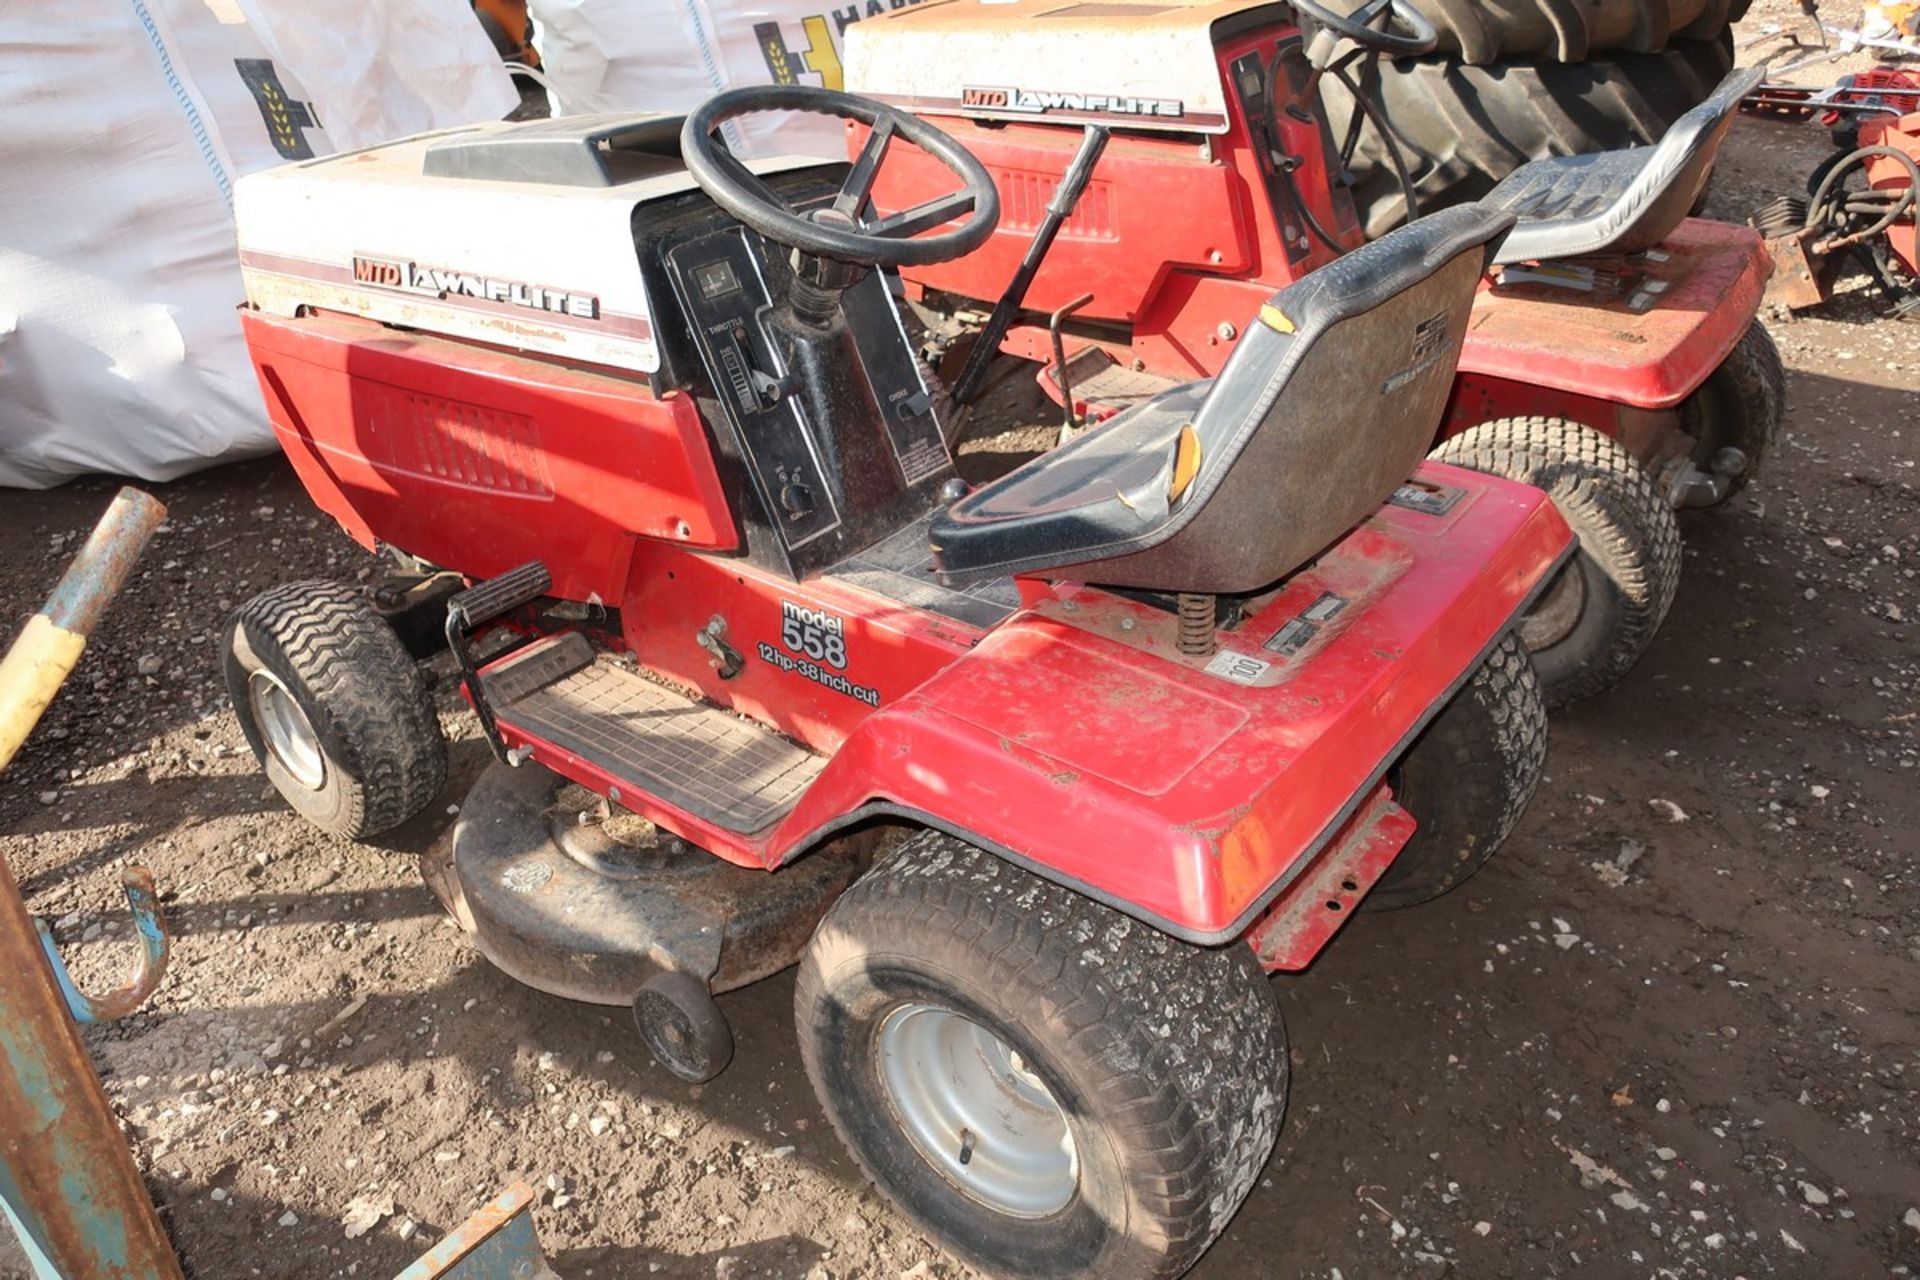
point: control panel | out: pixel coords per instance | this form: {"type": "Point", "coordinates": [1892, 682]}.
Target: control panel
{"type": "Point", "coordinates": [809, 473]}
{"type": "Point", "coordinates": [726, 299]}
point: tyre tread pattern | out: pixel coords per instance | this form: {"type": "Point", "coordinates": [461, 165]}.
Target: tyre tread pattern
{"type": "Point", "coordinates": [375, 716]}
{"type": "Point", "coordinates": [1622, 520]}
{"type": "Point", "coordinates": [1192, 1033]}
{"type": "Point", "coordinates": [1497, 783]}
{"type": "Point", "coordinates": [1482, 32]}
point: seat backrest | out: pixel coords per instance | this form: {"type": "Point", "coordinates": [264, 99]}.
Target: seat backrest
{"type": "Point", "coordinates": [1325, 407]}
{"type": "Point", "coordinates": [1619, 201]}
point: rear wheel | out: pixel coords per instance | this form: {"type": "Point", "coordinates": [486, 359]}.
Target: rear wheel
{"type": "Point", "coordinates": [1738, 409]}
{"type": "Point", "coordinates": [1600, 612]}
{"type": "Point", "coordinates": [1467, 779]}
{"type": "Point", "coordinates": [334, 708]}
{"type": "Point", "coordinates": [1482, 33]}
{"type": "Point", "coordinates": [1046, 1086]}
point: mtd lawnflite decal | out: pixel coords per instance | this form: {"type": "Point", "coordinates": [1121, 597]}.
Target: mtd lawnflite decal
{"type": "Point", "coordinates": [813, 644]}
{"type": "Point", "coordinates": [1038, 102]}
{"type": "Point", "coordinates": [437, 282]}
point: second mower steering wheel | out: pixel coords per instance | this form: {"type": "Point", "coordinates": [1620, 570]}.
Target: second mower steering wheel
{"type": "Point", "coordinates": [1420, 36]}
{"type": "Point", "coordinates": [843, 229]}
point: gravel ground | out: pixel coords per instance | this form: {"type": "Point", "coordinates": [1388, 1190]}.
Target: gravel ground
{"type": "Point", "coordinates": [1671, 1031]}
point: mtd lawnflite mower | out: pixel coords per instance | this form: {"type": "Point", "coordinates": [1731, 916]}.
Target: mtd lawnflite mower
{"type": "Point", "coordinates": [1155, 712]}
{"type": "Point", "coordinates": [1165, 166]}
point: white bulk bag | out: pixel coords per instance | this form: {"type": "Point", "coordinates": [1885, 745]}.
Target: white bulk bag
{"type": "Point", "coordinates": [127, 122]}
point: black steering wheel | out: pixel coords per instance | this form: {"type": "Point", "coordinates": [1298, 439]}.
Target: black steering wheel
{"type": "Point", "coordinates": [1419, 35]}
{"type": "Point", "coordinates": [844, 228]}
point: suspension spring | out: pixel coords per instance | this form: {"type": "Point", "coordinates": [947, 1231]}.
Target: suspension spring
{"type": "Point", "coordinates": [1199, 618]}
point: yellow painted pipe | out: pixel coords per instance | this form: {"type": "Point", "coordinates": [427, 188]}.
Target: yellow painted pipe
{"type": "Point", "coordinates": [50, 644]}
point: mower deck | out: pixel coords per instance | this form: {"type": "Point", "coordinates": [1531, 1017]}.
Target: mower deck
{"type": "Point", "coordinates": [589, 907]}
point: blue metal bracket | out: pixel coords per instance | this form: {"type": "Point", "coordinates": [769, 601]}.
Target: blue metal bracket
{"type": "Point", "coordinates": [497, 1243]}
{"type": "Point", "coordinates": [144, 901]}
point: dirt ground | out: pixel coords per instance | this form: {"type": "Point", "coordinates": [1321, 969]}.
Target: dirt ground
{"type": "Point", "coordinates": [1673, 1030]}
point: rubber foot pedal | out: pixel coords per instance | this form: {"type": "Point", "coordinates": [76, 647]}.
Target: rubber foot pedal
{"type": "Point", "coordinates": [484, 601]}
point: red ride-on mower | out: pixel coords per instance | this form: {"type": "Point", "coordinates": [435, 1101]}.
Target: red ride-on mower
{"type": "Point", "coordinates": [1165, 167]}
{"type": "Point", "coordinates": [1152, 713]}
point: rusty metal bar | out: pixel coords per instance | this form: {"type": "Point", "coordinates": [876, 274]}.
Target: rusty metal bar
{"type": "Point", "coordinates": [68, 1184]}
{"type": "Point", "coordinates": [149, 966]}
{"type": "Point", "coordinates": [65, 1171]}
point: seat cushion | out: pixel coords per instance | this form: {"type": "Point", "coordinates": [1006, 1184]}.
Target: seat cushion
{"type": "Point", "coordinates": [1097, 490]}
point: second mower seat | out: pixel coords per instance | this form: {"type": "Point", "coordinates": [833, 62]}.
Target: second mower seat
{"type": "Point", "coordinates": [1324, 408]}
{"type": "Point", "coordinates": [1618, 201]}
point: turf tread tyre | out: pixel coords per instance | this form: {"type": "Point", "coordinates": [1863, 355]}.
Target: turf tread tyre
{"type": "Point", "coordinates": [1463, 128]}
{"type": "Point", "coordinates": [1467, 779]}
{"type": "Point", "coordinates": [1181, 1047]}
{"type": "Point", "coordinates": [1629, 549]}
{"type": "Point", "coordinates": [361, 692]}
{"type": "Point", "coordinates": [1741, 405]}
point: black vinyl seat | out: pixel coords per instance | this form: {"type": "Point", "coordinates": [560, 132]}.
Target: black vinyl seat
{"type": "Point", "coordinates": [1225, 486]}
{"type": "Point", "coordinates": [1618, 201]}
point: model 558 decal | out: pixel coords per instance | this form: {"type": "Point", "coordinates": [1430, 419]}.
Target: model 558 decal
{"type": "Point", "coordinates": [438, 282]}
{"type": "Point", "coordinates": [813, 645]}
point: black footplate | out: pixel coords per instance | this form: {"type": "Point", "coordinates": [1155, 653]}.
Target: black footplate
{"type": "Point", "coordinates": [696, 756]}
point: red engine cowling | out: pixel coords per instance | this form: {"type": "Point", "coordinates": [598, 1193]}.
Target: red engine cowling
{"type": "Point", "coordinates": [1176, 236]}
{"type": "Point", "coordinates": [479, 459]}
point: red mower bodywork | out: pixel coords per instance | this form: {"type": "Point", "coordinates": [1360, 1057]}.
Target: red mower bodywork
{"type": "Point", "coordinates": [765, 681]}
{"type": "Point", "coordinates": [1075, 714]}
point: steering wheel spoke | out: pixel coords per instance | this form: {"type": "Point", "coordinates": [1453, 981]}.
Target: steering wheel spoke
{"type": "Point", "coordinates": [922, 217]}
{"type": "Point", "coordinates": [858, 188]}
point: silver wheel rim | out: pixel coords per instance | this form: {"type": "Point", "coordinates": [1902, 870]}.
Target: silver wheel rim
{"type": "Point", "coordinates": [1557, 612]}
{"type": "Point", "coordinates": [976, 1112]}
{"type": "Point", "coordinates": [289, 735]}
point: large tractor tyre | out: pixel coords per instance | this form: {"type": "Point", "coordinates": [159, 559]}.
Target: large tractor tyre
{"type": "Point", "coordinates": [1044, 1085]}
{"type": "Point", "coordinates": [1483, 32]}
{"type": "Point", "coordinates": [1467, 779]}
{"type": "Point", "coordinates": [1600, 612]}
{"type": "Point", "coordinates": [1460, 129]}
{"type": "Point", "coordinates": [334, 708]}
{"type": "Point", "coordinates": [1738, 407]}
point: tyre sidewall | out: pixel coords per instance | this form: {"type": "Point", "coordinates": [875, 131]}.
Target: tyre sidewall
{"type": "Point", "coordinates": [1568, 661]}
{"type": "Point", "coordinates": [1739, 406]}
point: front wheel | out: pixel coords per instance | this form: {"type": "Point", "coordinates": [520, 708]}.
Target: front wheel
{"type": "Point", "coordinates": [1046, 1086]}
{"type": "Point", "coordinates": [1600, 612]}
{"type": "Point", "coordinates": [334, 708]}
